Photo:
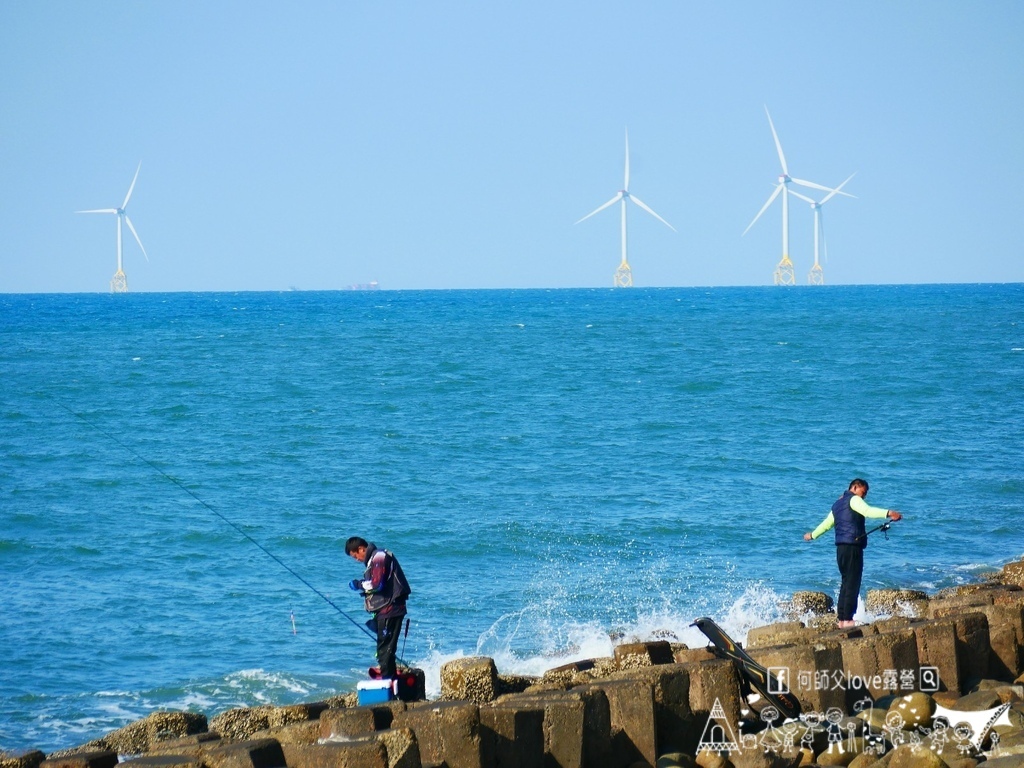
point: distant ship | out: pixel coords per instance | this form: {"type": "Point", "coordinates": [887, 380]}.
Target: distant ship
{"type": "Point", "coordinates": [373, 285]}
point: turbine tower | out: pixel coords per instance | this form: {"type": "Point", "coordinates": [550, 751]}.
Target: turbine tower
{"type": "Point", "coordinates": [784, 270]}
{"type": "Point", "coordinates": [119, 283]}
{"type": "Point", "coordinates": [624, 275]}
{"type": "Point", "coordinates": [816, 276]}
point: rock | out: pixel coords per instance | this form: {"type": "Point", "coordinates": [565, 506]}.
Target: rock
{"type": "Point", "coordinates": [842, 752]}
{"type": "Point", "coordinates": [707, 759]}
{"type": "Point", "coordinates": [895, 602]}
{"type": "Point", "coordinates": [242, 722]}
{"type": "Point", "coordinates": [807, 602]}
{"type": "Point", "coordinates": [515, 683]}
{"type": "Point", "coordinates": [1013, 573]}
{"type": "Point", "coordinates": [978, 701]}
{"type": "Point", "coordinates": [916, 709]}
{"type": "Point", "coordinates": [1013, 761]}
{"type": "Point", "coordinates": [864, 760]}
{"type": "Point", "coordinates": [675, 760]}
{"type": "Point", "coordinates": [911, 756]}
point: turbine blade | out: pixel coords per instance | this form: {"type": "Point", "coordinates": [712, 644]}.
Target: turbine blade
{"type": "Point", "coordinates": [625, 183]}
{"type": "Point", "coordinates": [805, 198]}
{"type": "Point", "coordinates": [126, 197]}
{"type": "Point", "coordinates": [812, 185]}
{"type": "Point", "coordinates": [100, 210]}
{"type": "Point", "coordinates": [837, 189]}
{"type": "Point", "coordinates": [764, 208]}
{"type": "Point", "coordinates": [643, 205]}
{"type": "Point", "coordinates": [598, 210]}
{"type": "Point", "coordinates": [129, 223]}
{"type": "Point", "coordinates": [778, 144]}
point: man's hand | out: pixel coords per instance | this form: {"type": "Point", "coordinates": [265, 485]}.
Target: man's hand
{"type": "Point", "coordinates": [807, 536]}
{"type": "Point", "coordinates": [355, 585]}
{"type": "Point", "coordinates": [892, 514]}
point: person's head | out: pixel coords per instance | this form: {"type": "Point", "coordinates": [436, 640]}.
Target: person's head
{"type": "Point", "coordinates": [355, 548]}
{"type": "Point", "coordinates": [859, 487]}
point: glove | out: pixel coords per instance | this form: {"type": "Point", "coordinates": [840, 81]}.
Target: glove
{"type": "Point", "coordinates": [355, 585]}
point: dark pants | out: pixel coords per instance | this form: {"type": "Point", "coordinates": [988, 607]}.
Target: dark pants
{"type": "Point", "coordinates": [850, 558]}
{"type": "Point", "coordinates": [388, 630]}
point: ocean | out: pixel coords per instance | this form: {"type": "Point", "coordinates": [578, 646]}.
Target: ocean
{"type": "Point", "coordinates": [553, 468]}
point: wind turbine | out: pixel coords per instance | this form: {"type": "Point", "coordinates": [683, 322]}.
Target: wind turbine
{"type": "Point", "coordinates": [816, 276]}
{"type": "Point", "coordinates": [624, 275]}
{"type": "Point", "coordinates": [784, 270]}
{"type": "Point", "coordinates": [119, 283]}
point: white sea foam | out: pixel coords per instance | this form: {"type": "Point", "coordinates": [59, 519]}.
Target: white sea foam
{"type": "Point", "coordinates": [552, 643]}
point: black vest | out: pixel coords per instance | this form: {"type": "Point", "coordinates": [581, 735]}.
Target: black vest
{"type": "Point", "coordinates": [849, 524]}
{"type": "Point", "coordinates": [395, 589]}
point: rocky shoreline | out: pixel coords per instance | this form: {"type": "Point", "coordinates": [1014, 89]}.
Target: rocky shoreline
{"type": "Point", "coordinates": [940, 684]}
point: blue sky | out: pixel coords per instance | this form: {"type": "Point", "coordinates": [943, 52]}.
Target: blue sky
{"type": "Point", "coordinates": [453, 145]}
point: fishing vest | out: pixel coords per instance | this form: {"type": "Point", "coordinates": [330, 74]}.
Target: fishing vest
{"type": "Point", "coordinates": [849, 524]}
{"type": "Point", "coordinates": [395, 589]}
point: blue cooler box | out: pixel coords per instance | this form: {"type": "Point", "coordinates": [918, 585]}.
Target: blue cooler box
{"type": "Point", "coordinates": [375, 691]}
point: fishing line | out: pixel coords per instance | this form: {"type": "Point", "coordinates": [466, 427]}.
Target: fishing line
{"type": "Point", "coordinates": [183, 487]}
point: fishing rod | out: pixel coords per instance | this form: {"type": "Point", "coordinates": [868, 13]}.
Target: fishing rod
{"type": "Point", "coordinates": [884, 528]}
{"type": "Point", "coordinates": [183, 487]}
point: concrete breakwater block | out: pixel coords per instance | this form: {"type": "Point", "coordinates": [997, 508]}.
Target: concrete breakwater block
{"type": "Point", "coordinates": [447, 732]}
{"type": "Point", "coordinates": [245, 722]}
{"type": "Point", "coordinates": [354, 722]}
{"type": "Point", "coordinates": [937, 649]}
{"type": "Point", "coordinates": [973, 650]}
{"type": "Point", "coordinates": [576, 725]}
{"type": "Point", "coordinates": [714, 681]}
{"type": "Point", "coordinates": [401, 746]}
{"type": "Point", "coordinates": [470, 679]}
{"type": "Point", "coordinates": [241, 722]}
{"type": "Point", "coordinates": [512, 736]}
{"type": "Point", "coordinates": [867, 659]}
{"type": "Point", "coordinates": [780, 633]}
{"type": "Point", "coordinates": [143, 735]}
{"type": "Point", "coordinates": [633, 721]}
{"type": "Point", "coordinates": [367, 752]}
{"type": "Point", "coordinates": [675, 726]}
{"type": "Point", "coordinates": [636, 655]}
{"type": "Point", "coordinates": [809, 671]}
{"type": "Point", "coordinates": [254, 753]}
{"type": "Point", "coordinates": [165, 761]}
{"type": "Point", "coordinates": [106, 758]}
{"type": "Point", "coordinates": [29, 758]}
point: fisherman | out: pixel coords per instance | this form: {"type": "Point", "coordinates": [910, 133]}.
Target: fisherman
{"type": "Point", "coordinates": [847, 517]}
{"type": "Point", "coordinates": [384, 589]}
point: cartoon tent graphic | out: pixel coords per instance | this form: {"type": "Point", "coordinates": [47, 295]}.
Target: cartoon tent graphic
{"type": "Point", "coordinates": [718, 735]}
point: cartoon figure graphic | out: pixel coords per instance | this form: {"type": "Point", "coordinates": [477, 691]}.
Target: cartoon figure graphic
{"type": "Point", "coordinates": [769, 738]}
{"type": "Point", "coordinates": [894, 728]}
{"type": "Point", "coordinates": [963, 733]}
{"type": "Point", "coordinates": [813, 722]}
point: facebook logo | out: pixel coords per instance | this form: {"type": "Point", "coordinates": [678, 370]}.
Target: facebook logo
{"type": "Point", "coordinates": [778, 679]}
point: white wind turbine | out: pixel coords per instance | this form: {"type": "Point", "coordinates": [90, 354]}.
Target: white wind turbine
{"type": "Point", "coordinates": [119, 283]}
{"type": "Point", "coordinates": [816, 276]}
{"type": "Point", "coordinates": [624, 275]}
{"type": "Point", "coordinates": [784, 270]}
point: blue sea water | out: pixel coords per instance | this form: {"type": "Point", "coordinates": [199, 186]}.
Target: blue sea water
{"type": "Point", "coordinates": [553, 468]}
